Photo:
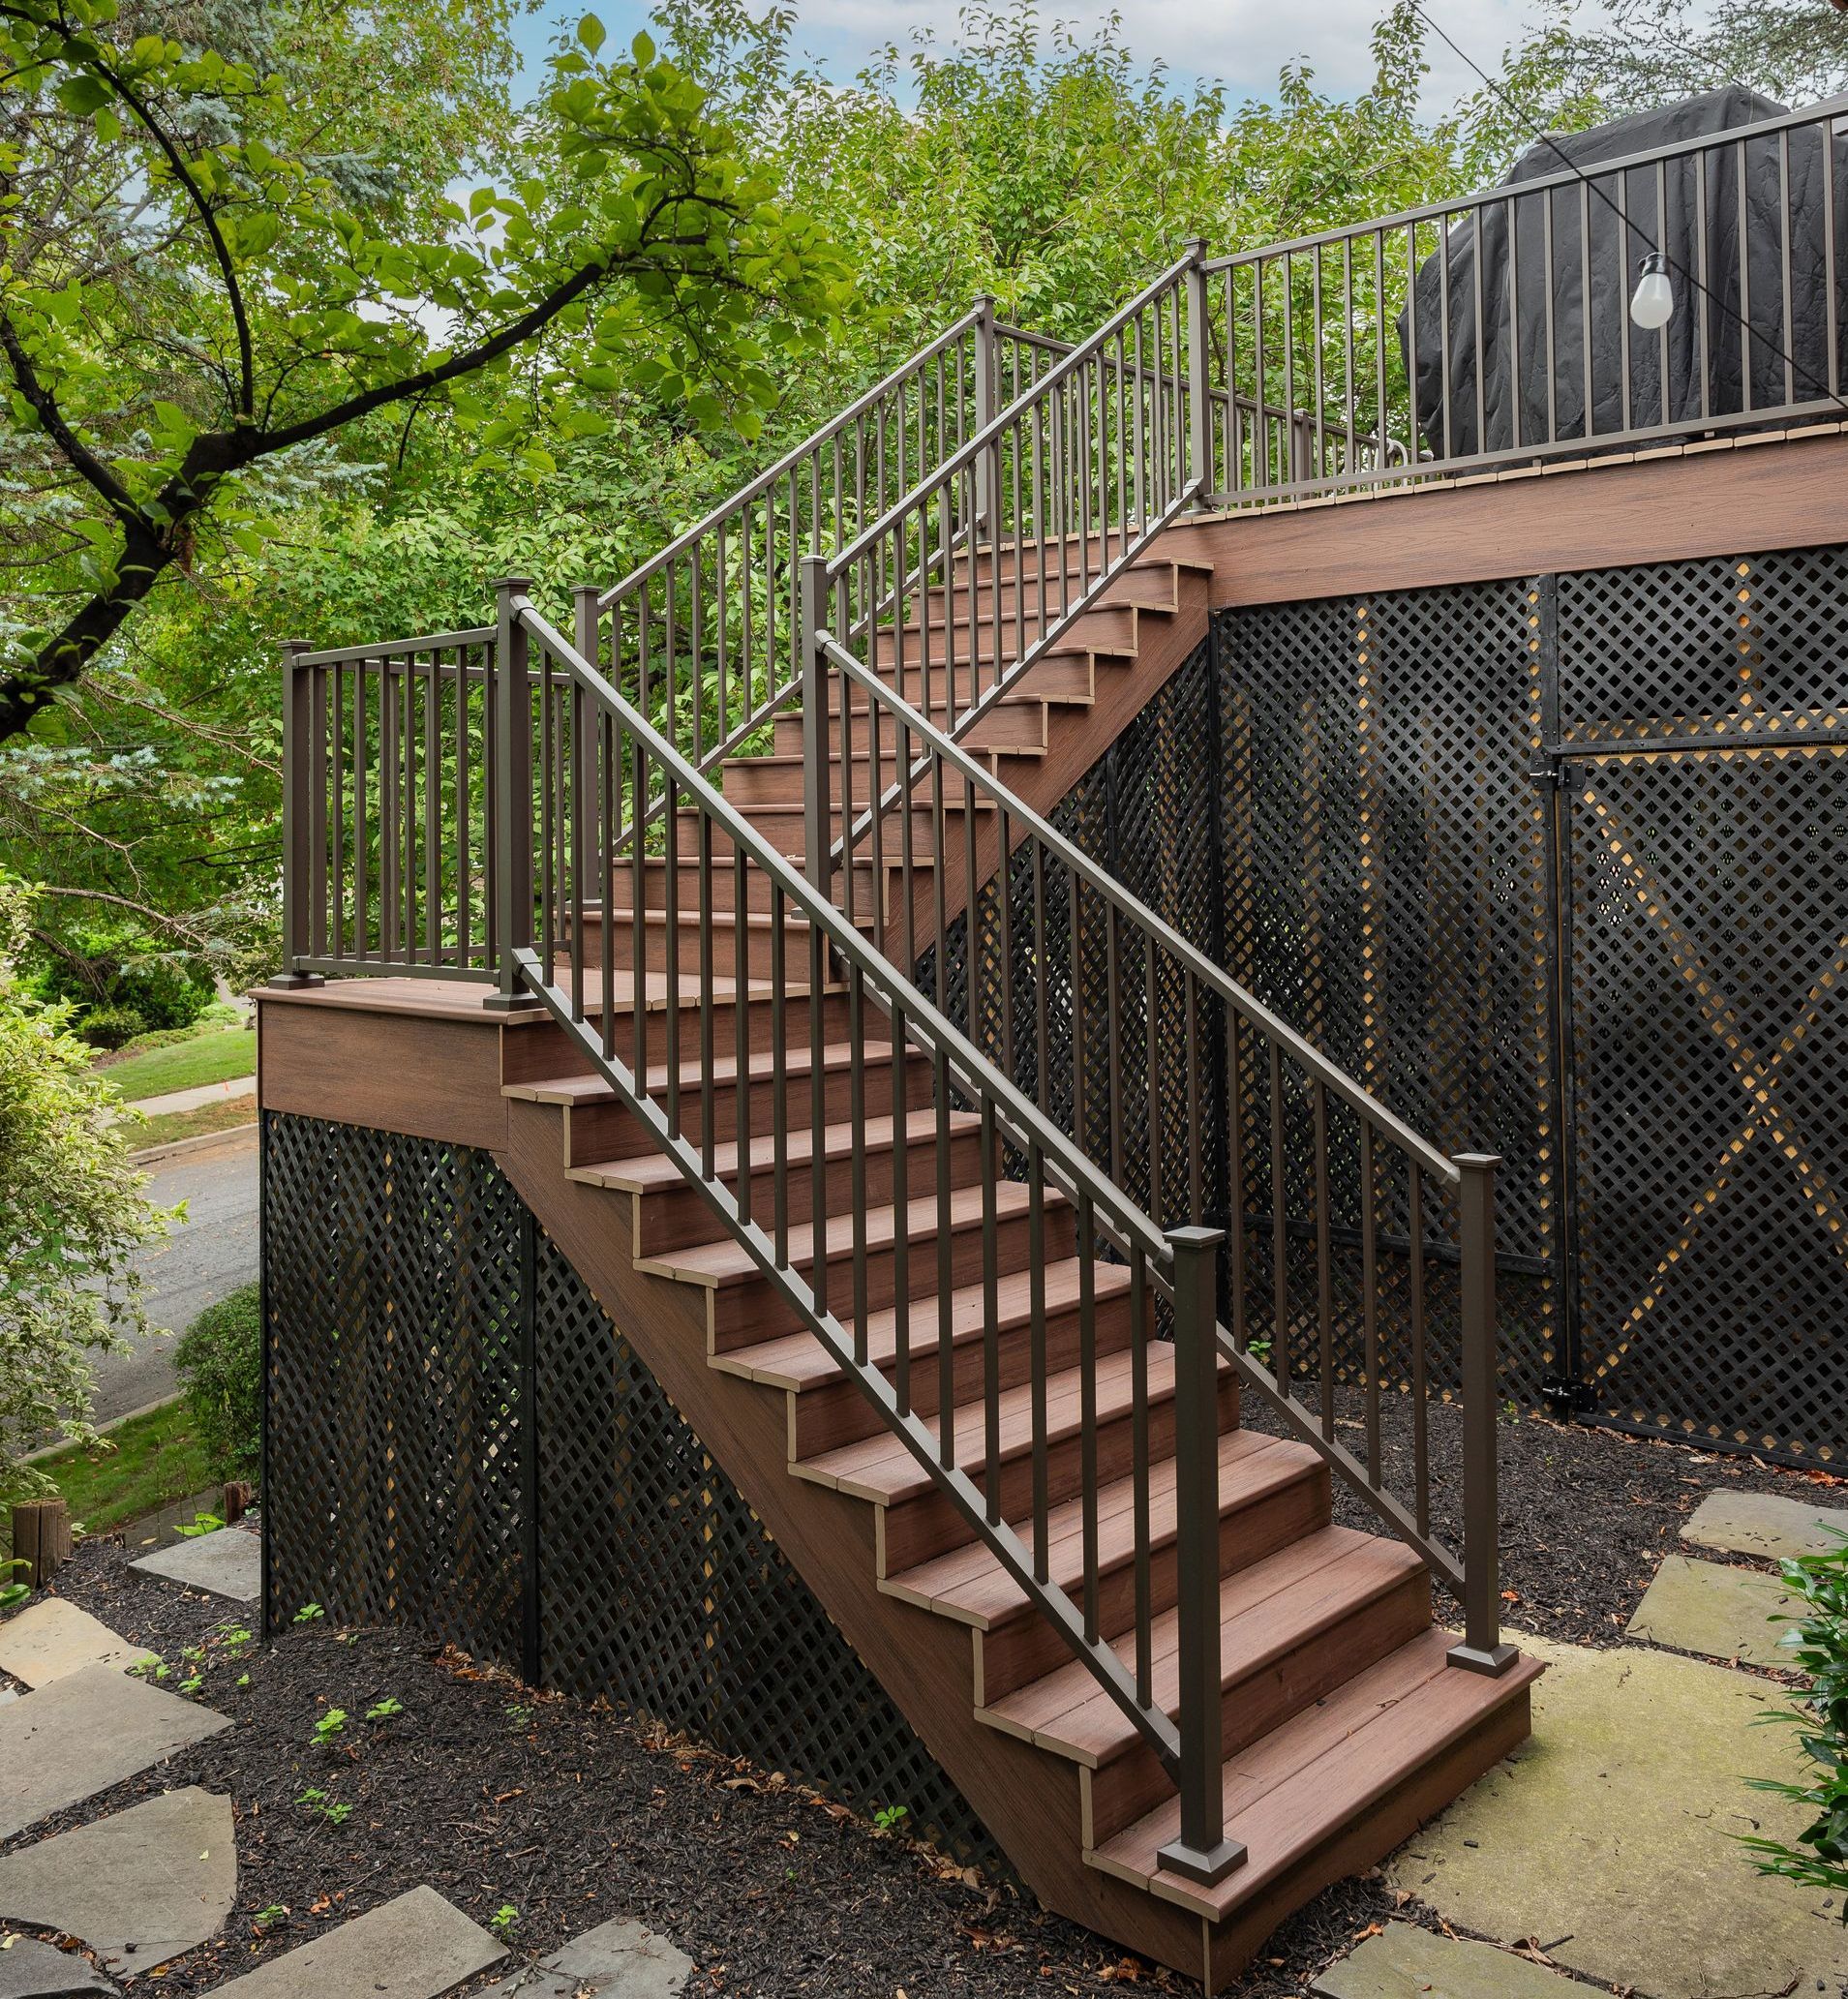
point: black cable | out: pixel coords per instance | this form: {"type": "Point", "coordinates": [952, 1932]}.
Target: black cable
{"type": "Point", "coordinates": [1628, 222]}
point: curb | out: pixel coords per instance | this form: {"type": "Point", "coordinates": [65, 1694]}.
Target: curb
{"type": "Point", "coordinates": [177, 1148]}
{"type": "Point", "coordinates": [147, 1408]}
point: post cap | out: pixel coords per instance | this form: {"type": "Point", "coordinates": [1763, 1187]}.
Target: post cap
{"type": "Point", "coordinates": [511, 582]}
{"type": "Point", "coordinates": [1193, 1237]}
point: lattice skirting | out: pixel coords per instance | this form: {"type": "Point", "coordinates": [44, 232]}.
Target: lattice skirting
{"type": "Point", "coordinates": [1555, 864]}
{"type": "Point", "coordinates": [461, 1442]}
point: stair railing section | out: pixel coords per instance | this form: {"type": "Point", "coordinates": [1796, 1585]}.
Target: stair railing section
{"type": "Point", "coordinates": [1358, 1260]}
{"type": "Point", "coordinates": [389, 756]}
{"type": "Point", "coordinates": [704, 638]}
{"type": "Point", "coordinates": [1496, 330]}
{"type": "Point", "coordinates": [662, 1010]}
{"type": "Point", "coordinates": [1071, 482]}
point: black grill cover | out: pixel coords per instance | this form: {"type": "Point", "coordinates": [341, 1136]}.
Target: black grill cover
{"type": "Point", "coordinates": [1515, 370]}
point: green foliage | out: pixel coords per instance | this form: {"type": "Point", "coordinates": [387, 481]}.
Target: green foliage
{"type": "Point", "coordinates": [1641, 53]}
{"type": "Point", "coordinates": [219, 1359]}
{"type": "Point", "coordinates": [180, 1065]}
{"type": "Point", "coordinates": [71, 1216]}
{"type": "Point", "coordinates": [1818, 1646]}
{"type": "Point", "coordinates": [329, 1726]}
{"type": "Point", "coordinates": [111, 1027]}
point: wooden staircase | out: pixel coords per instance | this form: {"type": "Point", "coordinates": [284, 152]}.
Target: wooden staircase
{"type": "Point", "coordinates": [716, 1123]}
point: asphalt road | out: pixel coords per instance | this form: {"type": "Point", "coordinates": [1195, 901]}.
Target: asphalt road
{"type": "Point", "coordinates": [206, 1257]}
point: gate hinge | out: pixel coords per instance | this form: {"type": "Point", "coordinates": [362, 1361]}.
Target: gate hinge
{"type": "Point", "coordinates": [1567, 1398]}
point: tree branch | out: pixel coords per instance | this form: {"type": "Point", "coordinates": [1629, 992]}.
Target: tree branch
{"type": "Point", "coordinates": [77, 452]}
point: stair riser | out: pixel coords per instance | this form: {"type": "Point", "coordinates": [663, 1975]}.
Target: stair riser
{"type": "Point", "coordinates": [757, 888]}
{"type": "Point", "coordinates": [785, 827]}
{"type": "Point", "coordinates": [746, 1313]}
{"type": "Point", "coordinates": [1013, 726]}
{"type": "Point", "coordinates": [759, 945]}
{"type": "Point", "coordinates": [1024, 1648]}
{"type": "Point", "coordinates": [533, 1054]}
{"type": "Point", "coordinates": [1103, 630]}
{"type": "Point", "coordinates": [919, 1528]}
{"type": "Point", "coordinates": [680, 1217]}
{"type": "Point", "coordinates": [597, 1131]}
{"type": "Point", "coordinates": [837, 1413]}
{"type": "Point", "coordinates": [749, 783]}
{"type": "Point", "coordinates": [1257, 1702]}
{"type": "Point", "coordinates": [1147, 589]}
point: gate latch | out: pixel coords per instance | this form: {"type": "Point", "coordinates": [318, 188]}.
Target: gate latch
{"type": "Point", "coordinates": [1547, 766]}
{"type": "Point", "coordinates": [1566, 1398]}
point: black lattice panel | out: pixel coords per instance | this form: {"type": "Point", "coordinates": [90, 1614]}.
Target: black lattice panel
{"type": "Point", "coordinates": [1709, 951]}
{"type": "Point", "coordinates": [400, 1276]}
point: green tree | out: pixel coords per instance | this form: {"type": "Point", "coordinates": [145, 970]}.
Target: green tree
{"type": "Point", "coordinates": [72, 1216]}
{"type": "Point", "coordinates": [194, 284]}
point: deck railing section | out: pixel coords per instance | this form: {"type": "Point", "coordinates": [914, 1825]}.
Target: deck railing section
{"type": "Point", "coordinates": [1495, 330]}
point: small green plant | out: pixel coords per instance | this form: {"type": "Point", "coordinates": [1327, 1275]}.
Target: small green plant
{"type": "Point", "coordinates": [201, 1524]}
{"type": "Point", "coordinates": [193, 1684]}
{"type": "Point", "coordinates": [520, 1714]}
{"type": "Point", "coordinates": [308, 1613]}
{"type": "Point", "coordinates": [1817, 1642]}
{"type": "Point", "coordinates": [267, 1918]}
{"type": "Point", "coordinates": [502, 1920]}
{"type": "Point", "coordinates": [890, 1817]}
{"type": "Point", "coordinates": [14, 1590]}
{"type": "Point", "coordinates": [383, 1711]}
{"type": "Point", "coordinates": [325, 1807]}
{"type": "Point", "coordinates": [329, 1726]}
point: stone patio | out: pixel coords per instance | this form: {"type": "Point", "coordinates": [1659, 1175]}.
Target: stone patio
{"type": "Point", "coordinates": [1715, 1609]}
{"type": "Point", "coordinates": [620, 1959]}
{"type": "Point", "coordinates": [32, 1970]}
{"type": "Point", "coordinates": [1406, 1963]}
{"type": "Point", "coordinates": [1610, 1836]}
{"type": "Point", "coordinates": [51, 1638]}
{"type": "Point", "coordinates": [1763, 1524]}
{"type": "Point", "coordinates": [415, 1947]}
{"type": "Point", "coordinates": [228, 1563]}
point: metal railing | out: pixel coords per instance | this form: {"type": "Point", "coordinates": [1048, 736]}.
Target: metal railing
{"type": "Point", "coordinates": [1495, 330]}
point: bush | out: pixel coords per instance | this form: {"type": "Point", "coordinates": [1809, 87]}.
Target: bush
{"type": "Point", "coordinates": [1818, 1645]}
{"type": "Point", "coordinates": [165, 994]}
{"type": "Point", "coordinates": [111, 1027]}
{"type": "Point", "coordinates": [220, 1359]}
{"type": "Point", "coordinates": [164, 991]}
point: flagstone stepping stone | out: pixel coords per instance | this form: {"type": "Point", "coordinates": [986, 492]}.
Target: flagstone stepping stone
{"type": "Point", "coordinates": [53, 1637]}
{"type": "Point", "coordinates": [139, 1886]}
{"type": "Point", "coordinates": [74, 1736]}
{"type": "Point", "coordinates": [1713, 1607]}
{"type": "Point", "coordinates": [619, 1960]}
{"type": "Point", "coordinates": [1406, 1963]}
{"type": "Point", "coordinates": [228, 1562]}
{"type": "Point", "coordinates": [32, 1970]}
{"type": "Point", "coordinates": [1611, 1834]}
{"type": "Point", "coordinates": [1763, 1524]}
{"type": "Point", "coordinates": [417, 1947]}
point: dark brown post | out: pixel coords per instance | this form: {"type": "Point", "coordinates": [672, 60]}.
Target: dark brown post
{"type": "Point", "coordinates": [298, 724]}
{"type": "Point", "coordinates": [1200, 407]}
{"type": "Point", "coordinates": [41, 1539]}
{"type": "Point", "coordinates": [1481, 1651]}
{"type": "Point", "coordinates": [1202, 1852]}
{"type": "Point", "coordinates": [988, 468]}
{"type": "Point", "coordinates": [510, 806]}
{"type": "Point", "coordinates": [817, 786]}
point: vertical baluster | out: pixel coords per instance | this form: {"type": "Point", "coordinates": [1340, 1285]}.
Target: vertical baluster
{"type": "Point", "coordinates": [1324, 1260]}
{"type": "Point", "coordinates": [946, 1319]}
{"type": "Point", "coordinates": [742, 1125]}
{"type": "Point", "coordinates": [1585, 302]}
{"type": "Point", "coordinates": [1279, 1355]}
{"type": "Point", "coordinates": [818, 1114]}
{"type": "Point", "coordinates": [780, 1073]}
{"type": "Point", "coordinates": [1477, 368]}
{"type": "Point", "coordinates": [900, 1212]}
{"type": "Point", "coordinates": [1625, 266]}
{"type": "Point", "coordinates": [362, 848]}
{"type": "Point", "coordinates": [1236, 1174]}
{"type": "Point", "coordinates": [1152, 1073]}
{"type": "Point", "coordinates": [1037, 1362]}
{"type": "Point", "coordinates": [741, 979]}
{"type": "Point", "coordinates": [1481, 1650]}
{"type": "Point", "coordinates": [857, 1113]}
{"type": "Point", "coordinates": [1789, 341]}
{"type": "Point", "coordinates": [1742, 212]}
{"type": "Point", "coordinates": [1416, 1305]}
{"type": "Point", "coordinates": [389, 776]}
{"type": "Point", "coordinates": [1140, 1474]}
{"type": "Point", "coordinates": [1548, 289]}
{"type": "Point", "coordinates": [638, 907]}
{"type": "Point", "coordinates": [1043, 973]}
{"type": "Point", "coordinates": [580, 839]}
{"type": "Point", "coordinates": [991, 1314]}
{"type": "Point", "coordinates": [511, 830]}
{"type": "Point", "coordinates": [1087, 1415]}
{"type": "Point", "coordinates": [337, 781]}
{"type": "Point", "coordinates": [1370, 1298]}
{"type": "Point", "coordinates": [1195, 1195]}
{"type": "Point", "coordinates": [671, 948]}
{"type": "Point", "coordinates": [610, 796]}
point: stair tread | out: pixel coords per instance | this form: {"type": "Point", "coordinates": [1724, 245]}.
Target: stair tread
{"type": "Point", "coordinates": [650, 1171]}
{"type": "Point", "coordinates": [1264, 1611]}
{"type": "Point", "coordinates": [880, 1468]}
{"type": "Point", "coordinates": [759, 1068]}
{"type": "Point", "coordinates": [969, 1583]}
{"type": "Point", "coordinates": [720, 1264]}
{"type": "Point", "coordinates": [798, 1360]}
{"type": "Point", "coordinates": [1309, 1779]}
{"type": "Point", "coordinates": [652, 992]}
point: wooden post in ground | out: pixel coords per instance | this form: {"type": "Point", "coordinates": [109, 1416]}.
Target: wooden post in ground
{"type": "Point", "coordinates": [41, 1539]}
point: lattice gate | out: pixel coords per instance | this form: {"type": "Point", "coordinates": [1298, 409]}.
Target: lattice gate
{"type": "Point", "coordinates": [459, 1440]}
{"type": "Point", "coordinates": [1555, 865]}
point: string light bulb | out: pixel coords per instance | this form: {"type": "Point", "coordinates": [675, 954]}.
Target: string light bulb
{"type": "Point", "coordinates": [1652, 302]}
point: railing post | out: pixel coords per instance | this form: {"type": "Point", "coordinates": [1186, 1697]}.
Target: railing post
{"type": "Point", "coordinates": [1199, 412]}
{"type": "Point", "coordinates": [1202, 1852]}
{"type": "Point", "coordinates": [298, 719]}
{"type": "Point", "coordinates": [817, 773]}
{"type": "Point", "coordinates": [510, 803]}
{"type": "Point", "coordinates": [987, 467]}
{"type": "Point", "coordinates": [584, 596]}
{"type": "Point", "coordinates": [1481, 1650]}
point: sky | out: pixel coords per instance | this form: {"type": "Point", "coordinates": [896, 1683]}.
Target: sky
{"type": "Point", "coordinates": [1240, 43]}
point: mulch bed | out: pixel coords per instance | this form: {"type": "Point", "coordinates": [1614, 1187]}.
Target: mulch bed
{"type": "Point", "coordinates": [570, 1812]}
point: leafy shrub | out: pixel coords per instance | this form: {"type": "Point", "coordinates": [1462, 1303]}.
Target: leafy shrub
{"type": "Point", "coordinates": [220, 1360]}
{"type": "Point", "coordinates": [111, 1027]}
{"type": "Point", "coordinates": [164, 992]}
{"type": "Point", "coordinates": [119, 976]}
{"type": "Point", "coordinates": [1818, 1645]}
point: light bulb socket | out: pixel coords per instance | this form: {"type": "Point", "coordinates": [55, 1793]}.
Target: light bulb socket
{"type": "Point", "coordinates": [1653, 265]}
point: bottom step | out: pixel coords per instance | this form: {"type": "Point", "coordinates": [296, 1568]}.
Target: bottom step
{"type": "Point", "coordinates": [1314, 1783]}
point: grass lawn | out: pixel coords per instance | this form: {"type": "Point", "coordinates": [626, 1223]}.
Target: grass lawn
{"type": "Point", "coordinates": [156, 1458]}
{"type": "Point", "coordinates": [166, 1125]}
{"type": "Point", "coordinates": [209, 1058]}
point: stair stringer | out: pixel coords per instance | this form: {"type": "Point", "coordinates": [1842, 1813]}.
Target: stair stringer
{"type": "Point", "coordinates": [1030, 1802]}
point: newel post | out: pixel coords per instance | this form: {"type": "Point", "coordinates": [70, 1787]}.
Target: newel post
{"type": "Point", "coordinates": [817, 770]}
{"type": "Point", "coordinates": [1481, 1650]}
{"type": "Point", "coordinates": [1202, 1852]}
{"type": "Point", "coordinates": [298, 763]}
{"type": "Point", "coordinates": [510, 797]}
{"type": "Point", "coordinates": [1200, 401]}
{"type": "Point", "coordinates": [987, 460]}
